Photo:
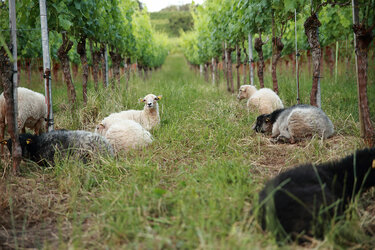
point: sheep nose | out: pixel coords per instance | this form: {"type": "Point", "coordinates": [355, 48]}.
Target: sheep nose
{"type": "Point", "coordinates": [149, 104]}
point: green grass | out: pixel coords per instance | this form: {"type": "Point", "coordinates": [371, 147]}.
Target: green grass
{"type": "Point", "coordinates": [194, 187]}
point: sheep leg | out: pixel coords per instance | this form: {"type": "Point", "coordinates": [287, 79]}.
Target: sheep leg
{"type": "Point", "coordinates": [292, 140]}
{"type": "Point", "coordinates": [282, 139]}
{"type": "Point", "coordinates": [21, 126]}
{"type": "Point", "coordinates": [284, 136]}
{"type": "Point", "coordinates": [275, 131]}
{"type": "Point", "coordinates": [38, 127]}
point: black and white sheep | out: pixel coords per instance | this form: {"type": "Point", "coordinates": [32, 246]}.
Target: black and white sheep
{"type": "Point", "coordinates": [264, 100]}
{"type": "Point", "coordinates": [304, 200]}
{"type": "Point", "coordinates": [294, 123]}
{"type": "Point", "coordinates": [43, 148]}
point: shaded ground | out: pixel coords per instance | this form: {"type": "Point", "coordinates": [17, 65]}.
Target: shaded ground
{"type": "Point", "coordinates": [29, 208]}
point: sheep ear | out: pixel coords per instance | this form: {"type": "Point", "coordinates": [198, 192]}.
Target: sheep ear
{"type": "Point", "coordinates": [28, 141]}
{"type": "Point", "coordinates": [158, 97]}
{"type": "Point", "coordinates": [4, 142]}
{"type": "Point", "coordinates": [101, 126]}
{"type": "Point", "coordinates": [373, 164]}
{"type": "Point", "coordinates": [141, 100]}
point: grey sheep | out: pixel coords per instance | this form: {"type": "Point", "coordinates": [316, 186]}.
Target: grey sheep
{"type": "Point", "coordinates": [294, 123]}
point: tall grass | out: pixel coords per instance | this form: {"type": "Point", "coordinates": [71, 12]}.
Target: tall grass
{"type": "Point", "coordinates": [194, 187]}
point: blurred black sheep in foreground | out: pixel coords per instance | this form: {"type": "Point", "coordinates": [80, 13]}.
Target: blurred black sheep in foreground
{"type": "Point", "coordinates": [305, 199]}
{"type": "Point", "coordinates": [42, 149]}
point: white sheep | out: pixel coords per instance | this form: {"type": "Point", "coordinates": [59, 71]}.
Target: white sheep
{"type": "Point", "coordinates": [125, 135]}
{"type": "Point", "coordinates": [295, 123]}
{"type": "Point", "coordinates": [32, 112]}
{"type": "Point", "coordinates": [263, 101]}
{"type": "Point", "coordinates": [148, 117]}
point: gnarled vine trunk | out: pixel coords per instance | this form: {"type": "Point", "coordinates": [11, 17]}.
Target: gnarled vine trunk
{"type": "Point", "coordinates": [230, 69]}
{"type": "Point", "coordinates": [127, 72]}
{"type": "Point", "coordinates": [116, 61]}
{"type": "Point", "coordinates": [55, 70]}
{"type": "Point", "coordinates": [213, 68]}
{"type": "Point", "coordinates": [363, 38]}
{"type": "Point", "coordinates": [95, 58]}
{"type": "Point", "coordinates": [238, 57]}
{"type": "Point", "coordinates": [258, 46]}
{"type": "Point", "coordinates": [205, 70]}
{"type": "Point", "coordinates": [311, 25]}
{"type": "Point", "coordinates": [81, 50]}
{"type": "Point", "coordinates": [62, 53]}
{"type": "Point", "coordinates": [102, 59]}
{"type": "Point", "coordinates": [226, 71]}
{"type": "Point", "coordinates": [6, 75]}
{"type": "Point", "coordinates": [245, 65]}
{"type": "Point", "coordinates": [217, 72]}
{"type": "Point", "coordinates": [28, 70]}
{"type": "Point", "coordinates": [277, 48]}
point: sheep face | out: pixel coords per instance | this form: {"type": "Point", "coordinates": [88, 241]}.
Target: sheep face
{"type": "Point", "coordinates": [242, 92]}
{"type": "Point", "coordinates": [263, 124]}
{"type": "Point", "coordinates": [100, 129]}
{"type": "Point", "coordinates": [245, 92]}
{"type": "Point", "coordinates": [151, 101]}
{"type": "Point", "coordinates": [7, 143]}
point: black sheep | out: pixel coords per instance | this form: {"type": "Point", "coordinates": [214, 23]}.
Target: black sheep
{"type": "Point", "coordinates": [42, 149]}
{"type": "Point", "coordinates": [304, 199]}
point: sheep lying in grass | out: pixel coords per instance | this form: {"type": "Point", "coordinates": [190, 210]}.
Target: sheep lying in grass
{"type": "Point", "coordinates": [305, 199]}
{"type": "Point", "coordinates": [32, 112]}
{"type": "Point", "coordinates": [148, 117]}
{"type": "Point", "coordinates": [125, 135]}
{"type": "Point", "coordinates": [263, 101]}
{"type": "Point", "coordinates": [42, 148]}
{"type": "Point", "coordinates": [294, 123]}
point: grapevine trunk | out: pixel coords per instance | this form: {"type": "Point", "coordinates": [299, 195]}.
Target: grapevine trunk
{"type": "Point", "coordinates": [63, 56]}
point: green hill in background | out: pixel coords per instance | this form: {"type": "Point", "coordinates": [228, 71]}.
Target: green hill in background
{"type": "Point", "coordinates": [172, 19]}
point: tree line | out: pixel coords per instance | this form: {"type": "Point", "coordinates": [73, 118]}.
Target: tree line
{"type": "Point", "coordinates": [83, 32]}
{"type": "Point", "coordinates": [224, 30]}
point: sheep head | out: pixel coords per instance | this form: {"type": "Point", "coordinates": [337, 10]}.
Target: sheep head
{"type": "Point", "coordinates": [263, 123]}
{"type": "Point", "coordinates": [151, 101]}
{"type": "Point", "coordinates": [245, 92]}
{"type": "Point", "coordinates": [100, 129]}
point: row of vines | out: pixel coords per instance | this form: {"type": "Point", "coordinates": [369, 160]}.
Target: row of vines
{"type": "Point", "coordinates": [224, 29]}
{"type": "Point", "coordinates": [80, 33]}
